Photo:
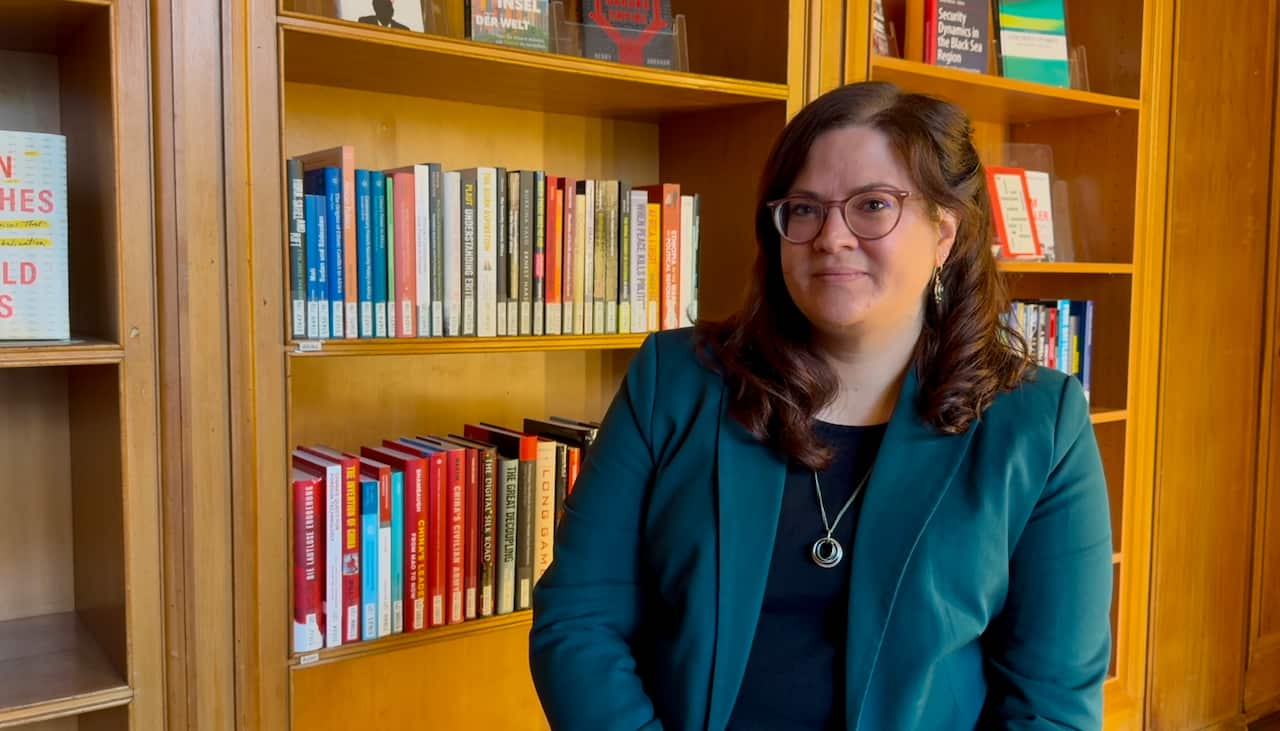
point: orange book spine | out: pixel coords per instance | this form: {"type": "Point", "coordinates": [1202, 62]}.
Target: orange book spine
{"type": "Point", "coordinates": [406, 247]}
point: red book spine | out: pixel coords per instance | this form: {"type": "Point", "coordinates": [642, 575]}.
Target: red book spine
{"type": "Point", "coordinates": [308, 563]}
{"type": "Point", "coordinates": [554, 221]}
{"type": "Point", "coordinates": [471, 530]}
{"type": "Point", "coordinates": [575, 466]}
{"type": "Point", "coordinates": [437, 553]}
{"type": "Point", "coordinates": [406, 247]}
{"type": "Point", "coordinates": [455, 586]}
{"type": "Point", "coordinates": [350, 539]}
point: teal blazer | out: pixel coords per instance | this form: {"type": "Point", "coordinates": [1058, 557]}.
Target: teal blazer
{"type": "Point", "coordinates": [981, 570]}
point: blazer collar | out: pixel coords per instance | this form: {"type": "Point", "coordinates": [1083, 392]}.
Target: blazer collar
{"type": "Point", "coordinates": [912, 471]}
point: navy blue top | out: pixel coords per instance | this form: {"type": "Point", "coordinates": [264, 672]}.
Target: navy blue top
{"type": "Point", "coordinates": [797, 657]}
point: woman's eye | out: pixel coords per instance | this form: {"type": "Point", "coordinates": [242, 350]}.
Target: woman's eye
{"type": "Point", "coordinates": [803, 210]}
{"type": "Point", "coordinates": [874, 205]}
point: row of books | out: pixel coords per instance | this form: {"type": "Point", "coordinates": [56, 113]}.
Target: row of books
{"type": "Point", "coordinates": [426, 531]}
{"type": "Point", "coordinates": [418, 251]}
{"type": "Point", "coordinates": [1059, 334]}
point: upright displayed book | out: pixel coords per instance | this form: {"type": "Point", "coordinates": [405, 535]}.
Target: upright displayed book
{"type": "Point", "coordinates": [956, 34]}
{"type": "Point", "coordinates": [636, 32]}
{"type": "Point", "coordinates": [518, 23]}
{"type": "Point", "coordinates": [398, 14]}
{"type": "Point", "coordinates": [33, 237]}
{"type": "Point", "coordinates": [1033, 41]}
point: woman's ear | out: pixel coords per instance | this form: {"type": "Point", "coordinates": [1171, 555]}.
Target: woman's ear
{"type": "Point", "coordinates": [948, 223]}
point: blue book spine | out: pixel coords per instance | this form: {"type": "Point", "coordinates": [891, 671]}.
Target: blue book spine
{"type": "Point", "coordinates": [397, 552]}
{"type": "Point", "coordinates": [378, 204]}
{"type": "Point", "coordinates": [369, 559]}
{"type": "Point", "coordinates": [337, 265]}
{"type": "Point", "coordinates": [1064, 336]}
{"type": "Point", "coordinates": [364, 253]}
{"type": "Point", "coordinates": [315, 290]}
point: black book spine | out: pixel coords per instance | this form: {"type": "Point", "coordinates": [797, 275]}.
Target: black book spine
{"type": "Point", "coordinates": [527, 202]}
{"type": "Point", "coordinates": [469, 211]}
{"type": "Point", "coordinates": [500, 217]}
{"type": "Point", "coordinates": [525, 535]}
{"type": "Point", "coordinates": [486, 572]}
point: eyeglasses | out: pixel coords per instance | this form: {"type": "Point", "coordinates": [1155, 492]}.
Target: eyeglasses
{"type": "Point", "coordinates": [870, 215]}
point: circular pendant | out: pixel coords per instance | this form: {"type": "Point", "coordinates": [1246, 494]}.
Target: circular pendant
{"type": "Point", "coordinates": [827, 552]}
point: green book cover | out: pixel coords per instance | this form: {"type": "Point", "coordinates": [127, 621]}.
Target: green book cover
{"type": "Point", "coordinates": [1033, 41]}
{"type": "Point", "coordinates": [518, 23]}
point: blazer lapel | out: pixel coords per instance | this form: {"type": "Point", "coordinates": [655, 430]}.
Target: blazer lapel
{"type": "Point", "coordinates": [750, 479]}
{"type": "Point", "coordinates": [913, 469]}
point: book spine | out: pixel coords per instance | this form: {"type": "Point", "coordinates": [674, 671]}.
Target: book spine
{"type": "Point", "coordinates": [392, 330]}
{"type": "Point", "coordinates": [384, 558]}
{"type": "Point", "coordinates": [468, 252]}
{"type": "Point", "coordinates": [438, 544]}
{"type": "Point", "coordinates": [417, 514]}
{"type": "Point", "coordinates": [552, 267]}
{"type": "Point", "coordinates": [364, 253]}
{"type": "Point", "coordinates": [297, 257]}
{"type": "Point", "coordinates": [575, 466]}
{"type": "Point", "coordinates": [653, 277]}
{"type": "Point", "coordinates": [435, 175]}
{"type": "Point", "coordinates": [527, 242]}
{"type": "Point", "coordinates": [1087, 367]}
{"type": "Point", "coordinates": [500, 225]}
{"type": "Point", "coordinates": [378, 197]}
{"type": "Point", "coordinates": [561, 484]}
{"type": "Point", "coordinates": [471, 533]}
{"type": "Point", "coordinates": [487, 253]}
{"type": "Point", "coordinates": [624, 258]}
{"type": "Point", "coordinates": [369, 560]}
{"type": "Point", "coordinates": [452, 253]}
{"type": "Point", "coordinates": [335, 608]}
{"type": "Point", "coordinates": [589, 261]}
{"type": "Point", "coordinates": [695, 259]}
{"type": "Point", "coordinates": [349, 247]}
{"type": "Point", "coordinates": [686, 260]}
{"type": "Point", "coordinates": [406, 256]}
{"type": "Point", "coordinates": [539, 252]}
{"type": "Point", "coordinates": [568, 203]}
{"type": "Point", "coordinates": [488, 535]}
{"type": "Point", "coordinates": [455, 586]}
{"type": "Point", "coordinates": [639, 239]}
{"type": "Point", "coordinates": [604, 240]}
{"type": "Point", "coordinates": [581, 249]}
{"type": "Point", "coordinates": [396, 483]}
{"type": "Point", "coordinates": [308, 604]}
{"type": "Point", "coordinates": [514, 205]}
{"type": "Point", "coordinates": [526, 531]}
{"type": "Point", "coordinates": [337, 258]}
{"type": "Point", "coordinates": [507, 525]}
{"type": "Point", "coordinates": [422, 250]}
{"type": "Point", "coordinates": [670, 257]}
{"type": "Point", "coordinates": [544, 521]}
{"type": "Point", "coordinates": [313, 234]}
{"type": "Point", "coordinates": [351, 550]}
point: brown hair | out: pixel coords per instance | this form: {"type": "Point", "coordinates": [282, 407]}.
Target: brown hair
{"type": "Point", "coordinates": [966, 353]}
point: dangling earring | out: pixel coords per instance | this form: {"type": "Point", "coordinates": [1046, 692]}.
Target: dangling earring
{"type": "Point", "coordinates": [938, 290]}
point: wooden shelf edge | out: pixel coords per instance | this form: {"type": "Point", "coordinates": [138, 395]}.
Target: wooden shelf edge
{"type": "Point", "coordinates": [471, 628]}
{"type": "Point", "coordinates": [575, 65]}
{"type": "Point", "coordinates": [1108, 416]}
{"type": "Point", "coordinates": [1063, 267]}
{"type": "Point", "coordinates": [61, 708]}
{"type": "Point", "coordinates": [1103, 102]}
{"type": "Point", "coordinates": [75, 352]}
{"type": "Point", "coordinates": [441, 346]}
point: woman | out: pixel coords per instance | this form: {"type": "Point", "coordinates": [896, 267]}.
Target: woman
{"type": "Point", "coordinates": [855, 504]}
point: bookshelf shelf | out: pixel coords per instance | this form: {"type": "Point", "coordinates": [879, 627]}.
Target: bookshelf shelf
{"type": "Point", "coordinates": [1108, 416]}
{"type": "Point", "coordinates": [449, 633]}
{"type": "Point", "coordinates": [51, 667]}
{"type": "Point", "coordinates": [442, 346]}
{"type": "Point", "coordinates": [1065, 267]}
{"type": "Point", "coordinates": [995, 98]}
{"type": "Point", "coordinates": [375, 60]}
{"type": "Point", "coordinates": [75, 352]}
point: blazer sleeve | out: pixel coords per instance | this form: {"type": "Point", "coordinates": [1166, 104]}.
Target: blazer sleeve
{"type": "Point", "coordinates": [586, 605]}
{"type": "Point", "coordinates": [1047, 652]}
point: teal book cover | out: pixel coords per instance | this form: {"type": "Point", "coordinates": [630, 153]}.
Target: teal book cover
{"type": "Point", "coordinates": [1033, 41]}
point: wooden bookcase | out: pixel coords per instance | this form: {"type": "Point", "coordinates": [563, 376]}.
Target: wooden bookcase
{"type": "Point", "coordinates": [305, 81]}
{"type": "Point", "coordinates": [1106, 145]}
{"type": "Point", "coordinates": [80, 637]}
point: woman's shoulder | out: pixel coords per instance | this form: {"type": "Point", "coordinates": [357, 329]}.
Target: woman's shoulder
{"type": "Point", "coordinates": [1045, 397]}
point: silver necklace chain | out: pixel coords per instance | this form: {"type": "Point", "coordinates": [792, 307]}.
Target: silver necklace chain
{"type": "Point", "coordinates": [827, 551]}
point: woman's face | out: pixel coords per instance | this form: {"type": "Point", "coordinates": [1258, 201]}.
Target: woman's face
{"type": "Point", "coordinates": [846, 286]}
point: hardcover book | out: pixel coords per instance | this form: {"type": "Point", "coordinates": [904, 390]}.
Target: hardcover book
{"type": "Point", "coordinates": [1033, 41]}
{"type": "Point", "coordinates": [636, 32]}
{"type": "Point", "coordinates": [519, 23]}
{"type": "Point", "coordinates": [33, 237]}
{"type": "Point", "coordinates": [398, 14]}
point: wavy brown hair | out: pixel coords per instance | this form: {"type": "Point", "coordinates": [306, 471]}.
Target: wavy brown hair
{"type": "Point", "coordinates": [966, 353]}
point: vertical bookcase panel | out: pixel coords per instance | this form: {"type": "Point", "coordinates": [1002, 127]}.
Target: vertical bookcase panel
{"type": "Point", "coordinates": [1111, 445]}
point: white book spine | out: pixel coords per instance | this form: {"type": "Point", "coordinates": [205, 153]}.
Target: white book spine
{"type": "Point", "coordinates": [544, 519]}
{"type": "Point", "coordinates": [384, 579]}
{"type": "Point", "coordinates": [639, 261]}
{"type": "Point", "coordinates": [452, 211]}
{"type": "Point", "coordinates": [487, 252]}
{"type": "Point", "coordinates": [686, 260]}
{"type": "Point", "coordinates": [333, 607]}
